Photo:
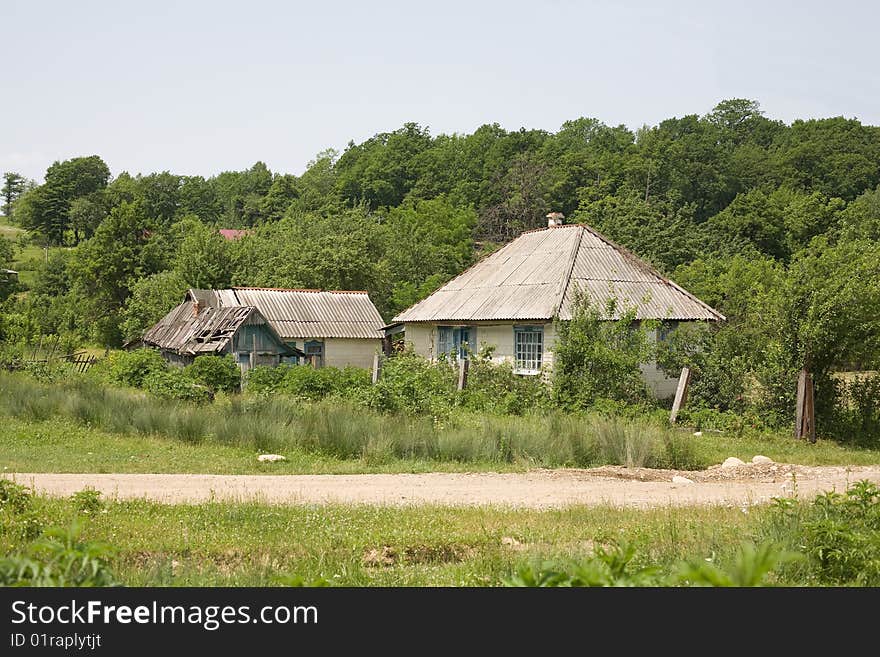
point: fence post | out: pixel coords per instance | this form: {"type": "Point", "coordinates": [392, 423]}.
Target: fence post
{"type": "Point", "coordinates": [463, 366]}
{"type": "Point", "coordinates": [805, 411]}
{"type": "Point", "coordinates": [377, 367]}
{"type": "Point", "coordinates": [680, 393]}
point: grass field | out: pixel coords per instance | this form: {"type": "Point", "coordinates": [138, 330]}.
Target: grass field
{"type": "Point", "coordinates": [257, 545]}
{"type": "Point", "coordinates": [27, 257]}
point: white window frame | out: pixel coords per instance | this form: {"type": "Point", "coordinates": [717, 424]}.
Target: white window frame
{"type": "Point", "coordinates": [528, 349]}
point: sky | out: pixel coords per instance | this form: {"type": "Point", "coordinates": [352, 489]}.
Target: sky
{"type": "Point", "coordinates": [202, 87]}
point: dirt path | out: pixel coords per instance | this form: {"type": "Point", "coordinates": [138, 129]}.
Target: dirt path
{"type": "Point", "coordinates": [540, 489]}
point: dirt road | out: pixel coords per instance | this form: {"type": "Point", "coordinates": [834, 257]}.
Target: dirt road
{"type": "Point", "coordinates": [540, 489]}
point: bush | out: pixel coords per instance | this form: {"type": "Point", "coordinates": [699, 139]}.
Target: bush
{"type": "Point", "coordinates": [131, 368]}
{"type": "Point", "coordinates": [264, 379]}
{"type": "Point", "coordinates": [312, 384]}
{"type": "Point", "coordinates": [411, 384]}
{"type": "Point", "coordinates": [497, 389]}
{"type": "Point", "coordinates": [58, 558]}
{"type": "Point", "coordinates": [855, 418]}
{"type": "Point", "coordinates": [175, 384]}
{"type": "Point", "coordinates": [217, 373]}
{"type": "Point", "coordinates": [596, 357]}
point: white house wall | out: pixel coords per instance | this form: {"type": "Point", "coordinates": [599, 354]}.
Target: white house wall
{"type": "Point", "coordinates": [423, 339]}
{"type": "Point", "coordinates": [356, 352]}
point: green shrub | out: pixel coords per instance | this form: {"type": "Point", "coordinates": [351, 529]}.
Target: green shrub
{"type": "Point", "coordinates": [58, 558]}
{"type": "Point", "coordinates": [217, 373]}
{"type": "Point", "coordinates": [131, 368]}
{"type": "Point", "coordinates": [607, 567]}
{"type": "Point", "coordinates": [14, 498]}
{"type": "Point", "coordinates": [176, 385]}
{"type": "Point", "coordinates": [264, 379]}
{"type": "Point", "coordinates": [841, 536]}
{"type": "Point", "coordinates": [495, 388]}
{"type": "Point", "coordinates": [855, 417]}
{"type": "Point", "coordinates": [411, 384]}
{"type": "Point", "coordinates": [597, 358]}
{"type": "Point", "coordinates": [87, 500]}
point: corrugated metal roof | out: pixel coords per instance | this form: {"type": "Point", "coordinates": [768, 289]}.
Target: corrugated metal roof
{"type": "Point", "coordinates": [538, 275]}
{"type": "Point", "coordinates": [305, 313]}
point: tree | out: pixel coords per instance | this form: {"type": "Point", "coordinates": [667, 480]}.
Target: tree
{"type": "Point", "coordinates": [151, 299]}
{"type": "Point", "coordinates": [14, 185]}
{"type": "Point", "coordinates": [104, 268]}
{"type": "Point", "coordinates": [46, 209]}
{"type": "Point", "coordinates": [203, 258]}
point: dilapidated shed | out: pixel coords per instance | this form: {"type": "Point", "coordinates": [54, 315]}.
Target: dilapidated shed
{"type": "Point", "coordinates": [316, 326]}
{"type": "Point", "coordinates": [192, 330]}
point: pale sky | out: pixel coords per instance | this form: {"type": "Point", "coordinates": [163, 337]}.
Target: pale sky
{"type": "Point", "coordinates": [204, 87]}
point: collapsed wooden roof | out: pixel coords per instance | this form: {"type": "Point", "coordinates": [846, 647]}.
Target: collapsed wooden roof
{"type": "Point", "coordinates": [539, 275]}
{"type": "Point", "coordinates": [191, 330]}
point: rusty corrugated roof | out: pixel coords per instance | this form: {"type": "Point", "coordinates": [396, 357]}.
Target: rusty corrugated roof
{"type": "Point", "coordinates": [298, 314]}
{"type": "Point", "coordinates": [539, 274]}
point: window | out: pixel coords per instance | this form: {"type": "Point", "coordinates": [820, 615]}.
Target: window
{"type": "Point", "coordinates": [457, 341]}
{"type": "Point", "coordinates": [314, 353]}
{"type": "Point", "coordinates": [528, 344]}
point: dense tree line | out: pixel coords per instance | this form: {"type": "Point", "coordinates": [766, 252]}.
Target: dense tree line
{"type": "Point", "coordinates": [776, 225]}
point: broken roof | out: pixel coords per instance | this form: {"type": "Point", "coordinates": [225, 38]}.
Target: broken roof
{"type": "Point", "coordinates": [299, 314]}
{"type": "Point", "coordinates": [207, 332]}
{"type": "Point", "coordinates": [539, 274]}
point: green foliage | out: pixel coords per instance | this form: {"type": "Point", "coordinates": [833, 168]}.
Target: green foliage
{"type": "Point", "coordinates": [412, 384]}
{"type": "Point", "coordinates": [14, 498]}
{"type": "Point", "coordinates": [842, 536]}
{"type": "Point", "coordinates": [59, 558]}
{"type": "Point", "coordinates": [151, 299]}
{"type": "Point", "coordinates": [595, 358]}
{"type": "Point", "coordinates": [607, 567]}
{"type": "Point", "coordinates": [217, 373]}
{"type": "Point", "coordinates": [131, 368]}
{"type": "Point", "coordinates": [203, 256]}
{"type": "Point", "coordinates": [176, 384]}
{"type": "Point", "coordinates": [87, 500]}
{"type": "Point", "coordinates": [752, 566]}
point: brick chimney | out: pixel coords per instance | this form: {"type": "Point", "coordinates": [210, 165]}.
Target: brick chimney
{"type": "Point", "coordinates": [196, 308]}
{"type": "Point", "coordinates": [555, 219]}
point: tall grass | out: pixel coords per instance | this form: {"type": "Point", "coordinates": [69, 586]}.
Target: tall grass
{"type": "Point", "coordinates": [344, 430]}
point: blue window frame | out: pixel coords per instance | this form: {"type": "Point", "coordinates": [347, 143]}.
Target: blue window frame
{"type": "Point", "coordinates": [528, 346]}
{"type": "Point", "coordinates": [456, 341]}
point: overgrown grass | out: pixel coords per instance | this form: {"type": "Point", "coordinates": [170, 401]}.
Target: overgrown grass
{"type": "Point", "coordinates": [344, 431]}
{"type": "Point", "coordinates": [833, 540]}
{"type": "Point", "coordinates": [220, 544]}
{"type": "Point", "coordinates": [77, 426]}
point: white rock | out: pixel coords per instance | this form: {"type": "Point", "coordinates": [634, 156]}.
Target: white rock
{"type": "Point", "coordinates": [270, 458]}
{"type": "Point", "coordinates": [681, 480]}
{"type": "Point", "coordinates": [732, 462]}
{"type": "Point", "coordinates": [698, 433]}
{"type": "Point", "coordinates": [763, 460]}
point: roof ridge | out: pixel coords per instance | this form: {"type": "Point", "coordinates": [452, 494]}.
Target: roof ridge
{"type": "Point", "coordinates": [566, 280]}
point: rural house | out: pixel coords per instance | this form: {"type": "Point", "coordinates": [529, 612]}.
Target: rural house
{"type": "Point", "coordinates": [510, 298]}
{"type": "Point", "coordinates": [268, 326]}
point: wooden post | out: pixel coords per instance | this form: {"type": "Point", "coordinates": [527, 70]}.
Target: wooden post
{"type": "Point", "coordinates": [254, 351]}
{"type": "Point", "coordinates": [680, 393]}
{"type": "Point", "coordinates": [463, 366]}
{"type": "Point", "coordinates": [805, 410]}
{"type": "Point", "coordinates": [377, 367]}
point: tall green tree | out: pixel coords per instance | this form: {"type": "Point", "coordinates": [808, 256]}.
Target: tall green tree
{"type": "Point", "coordinates": [14, 185]}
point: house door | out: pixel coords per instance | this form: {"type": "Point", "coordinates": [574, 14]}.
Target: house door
{"type": "Point", "coordinates": [457, 341]}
